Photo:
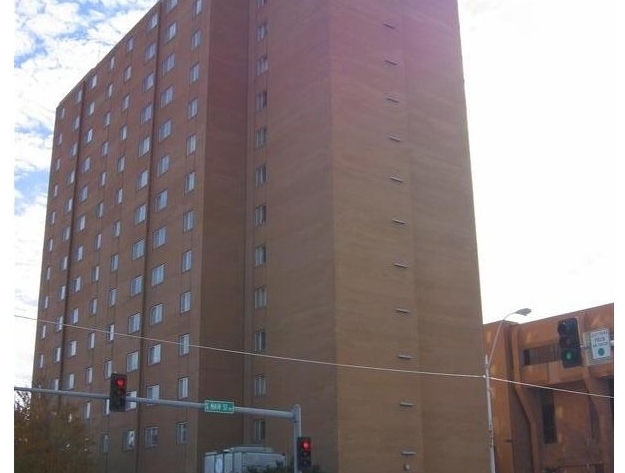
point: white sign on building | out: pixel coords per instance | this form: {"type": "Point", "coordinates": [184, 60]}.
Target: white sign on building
{"type": "Point", "coordinates": [600, 347]}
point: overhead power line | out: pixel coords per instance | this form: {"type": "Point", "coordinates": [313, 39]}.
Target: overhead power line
{"type": "Point", "coordinates": [315, 362]}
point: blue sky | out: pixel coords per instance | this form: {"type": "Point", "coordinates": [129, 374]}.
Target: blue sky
{"type": "Point", "coordinates": [540, 80]}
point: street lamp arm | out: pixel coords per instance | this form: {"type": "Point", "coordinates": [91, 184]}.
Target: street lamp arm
{"type": "Point", "coordinates": [523, 311]}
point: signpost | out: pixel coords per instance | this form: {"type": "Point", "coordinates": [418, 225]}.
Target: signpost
{"type": "Point", "coordinates": [218, 407]}
{"type": "Point", "coordinates": [600, 346]}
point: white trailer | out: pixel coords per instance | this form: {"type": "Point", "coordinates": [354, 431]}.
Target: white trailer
{"type": "Point", "coordinates": [239, 459]}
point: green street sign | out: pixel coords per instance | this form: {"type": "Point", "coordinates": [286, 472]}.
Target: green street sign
{"type": "Point", "coordinates": [219, 407]}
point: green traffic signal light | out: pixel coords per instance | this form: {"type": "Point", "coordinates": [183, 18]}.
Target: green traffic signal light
{"type": "Point", "coordinates": [570, 347]}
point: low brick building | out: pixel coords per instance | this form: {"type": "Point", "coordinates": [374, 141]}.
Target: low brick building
{"type": "Point", "coordinates": [548, 418]}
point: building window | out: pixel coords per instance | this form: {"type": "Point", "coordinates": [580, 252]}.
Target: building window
{"type": "Point", "coordinates": [138, 249]}
{"type": "Point", "coordinates": [262, 64]}
{"type": "Point", "coordinates": [97, 242]}
{"type": "Point", "coordinates": [156, 314]}
{"type": "Point", "coordinates": [153, 22]}
{"type": "Point", "coordinates": [82, 222]}
{"type": "Point", "coordinates": [183, 344]}
{"type": "Point", "coordinates": [62, 290]}
{"type": "Point", "coordinates": [73, 318]}
{"type": "Point", "coordinates": [132, 361]}
{"type": "Point", "coordinates": [161, 200]}
{"type": "Point", "coordinates": [260, 255]}
{"type": "Point", "coordinates": [188, 221]}
{"type": "Point", "coordinates": [548, 416]}
{"type": "Point", "coordinates": [140, 214]}
{"type": "Point", "coordinates": [127, 73]}
{"type": "Point", "coordinates": [134, 323]}
{"type": "Point", "coordinates": [70, 382]}
{"type": "Point", "coordinates": [114, 262]}
{"type": "Point", "coordinates": [95, 273]}
{"type": "Point", "coordinates": [136, 285]}
{"type": "Point", "coordinates": [151, 437]}
{"type": "Point", "coordinates": [187, 261]}
{"type": "Point", "coordinates": [91, 341]}
{"type": "Point", "coordinates": [112, 297]}
{"type": "Point", "coordinates": [167, 96]}
{"type": "Point", "coordinates": [142, 179]}
{"type": "Point", "coordinates": [261, 137]}
{"type": "Point", "coordinates": [158, 275]}
{"type": "Point", "coordinates": [194, 73]}
{"type": "Point", "coordinates": [170, 5]}
{"type": "Point", "coordinates": [170, 32]}
{"type": "Point", "coordinates": [125, 102]}
{"type": "Point", "coordinates": [181, 433]}
{"type": "Point", "coordinates": [191, 144]}
{"type": "Point", "coordinates": [104, 443]}
{"type": "Point", "coordinates": [260, 215]}
{"type": "Point", "coordinates": [80, 251]}
{"type": "Point", "coordinates": [93, 306]}
{"type": "Point", "coordinates": [159, 238]}
{"type": "Point", "coordinates": [99, 208]}
{"type": "Point", "coordinates": [154, 354]}
{"type": "Point", "coordinates": [128, 440]}
{"type": "Point", "coordinates": [261, 100]}
{"type": "Point", "coordinates": [117, 228]}
{"type": "Point", "coordinates": [150, 51]}
{"type": "Point", "coordinates": [71, 348]}
{"type": "Point", "coordinates": [169, 63]}
{"type": "Point", "coordinates": [192, 108]}
{"type": "Point", "coordinates": [56, 355]}
{"type": "Point", "coordinates": [260, 385]}
{"type": "Point", "coordinates": [89, 375]}
{"type": "Point", "coordinates": [196, 39]}
{"type": "Point", "coordinates": [197, 8]}
{"type": "Point", "coordinates": [119, 196]}
{"type": "Point", "coordinates": [89, 135]}
{"type": "Point", "coordinates": [163, 165]}
{"type": "Point", "coordinates": [123, 133]}
{"type": "Point", "coordinates": [131, 405]}
{"type": "Point", "coordinates": [77, 284]}
{"type": "Point", "coordinates": [146, 113]}
{"type": "Point", "coordinates": [260, 297]}
{"type": "Point", "coordinates": [153, 392]}
{"type": "Point", "coordinates": [260, 340]}
{"type": "Point", "coordinates": [185, 302]}
{"type": "Point", "coordinates": [183, 388]}
{"type": "Point", "coordinates": [259, 430]}
{"type": "Point", "coordinates": [261, 31]}
{"type": "Point", "coordinates": [148, 82]}
{"type": "Point", "coordinates": [260, 175]}
{"type": "Point", "coordinates": [108, 369]}
{"type": "Point", "coordinates": [121, 164]}
{"type": "Point", "coordinates": [110, 333]}
{"type": "Point", "coordinates": [189, 182]}
{"type": "Point", "coordinates": [144, 146]}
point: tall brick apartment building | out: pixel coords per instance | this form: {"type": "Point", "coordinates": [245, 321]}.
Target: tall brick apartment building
{"type": "Point", "coordinates": [247, 199]}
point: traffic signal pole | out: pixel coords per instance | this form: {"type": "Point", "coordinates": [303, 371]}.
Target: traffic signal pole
{"type": "Point", "coordinates": [294, 415]}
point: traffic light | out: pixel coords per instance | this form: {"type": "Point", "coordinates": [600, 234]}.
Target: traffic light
{"type": "Point", "coordinates": [304, 448]}
{"type": "Point", "coordinates": [117, 394]}
{"type": "Point", "coordinates": [570, 348]}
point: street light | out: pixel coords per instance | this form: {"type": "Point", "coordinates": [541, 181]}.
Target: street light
{"type": "Point", "coordinates": [487, 360]}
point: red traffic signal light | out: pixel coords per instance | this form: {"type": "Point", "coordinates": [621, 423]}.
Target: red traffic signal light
{"type": "Point", "coordinates": [117, 394]}
{"type": "Point", "coordinates": [304, 452]}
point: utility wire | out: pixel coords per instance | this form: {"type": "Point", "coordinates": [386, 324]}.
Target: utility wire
{"type": "Point", "coordinates": [315, 362]}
